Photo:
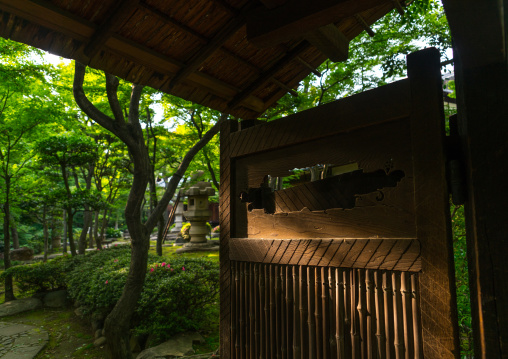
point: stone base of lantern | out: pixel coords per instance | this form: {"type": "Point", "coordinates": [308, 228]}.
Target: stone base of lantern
{"type": "Point", "coordinates": [199, 247]}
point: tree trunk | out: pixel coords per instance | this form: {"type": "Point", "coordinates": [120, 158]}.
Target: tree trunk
{"type": "Point", "coordinates": [117, 324]}
{"type": "Point", "coordinates": [9, 289]}
{"type": "Point", "coordinates": [46, 233]}
{"type": "Point", "coordinates": [96, 231]}
{"type": "Point", "coordinates": [105, 220]}
{"type": "Point", "coordinates": [14, 234]}
{"type": "Point", "coordinates": [70, 234]}
{"type": "Point", "coordinates": [116, 221]}
{"type": "Point", "coordinates": [93, 223]}
{"type": "Point", "coordinates": [160, 232]}
{"type": "Point", "coordinates": [87, 218]}
{"type": "Point", "coordinates": [64, 237]}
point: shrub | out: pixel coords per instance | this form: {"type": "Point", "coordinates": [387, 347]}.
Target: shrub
{"type": "Point", "coordinates": [178, 294]}
{"type": "Point", "coordinates": [40, 277]}
{"type": "Point", "coordinates": [216, 229]}
{"type": "Point", "coordinates": [175, 298]}
{"type": "Point", "coordinates": [113, 233]}
{"type": "Point", "coordinates": [86, 283]}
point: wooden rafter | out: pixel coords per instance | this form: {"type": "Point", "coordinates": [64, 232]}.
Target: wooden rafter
{"type": "Point", "coordinates": [172, 21]}
{"type": "Point", "coordinates": [284, 86]}
{"type": "Point", "coordinates": [398, 7]}
{"type": "Point", "coordinates": [227, 7]}
{"type": "Point", "coordinates": [309, 66]}
{"type": "Point", "coordinates": [268, 74]}
{"type": "Point", "coordinates": [364, 24]}
{"type": "Point", "coordinates": [330, 41]}
{"type": "Point", "coordinates": [50, 16]}
{"type": "Point", "coordinates": [269, 27]}
{"type": "Point", "coordinates": [215, 43]}
{"type": "Point", "coordinates": [120, 12]}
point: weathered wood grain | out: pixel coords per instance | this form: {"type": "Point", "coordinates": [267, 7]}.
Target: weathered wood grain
{"type": "Point", "coordinates": [432, 207]}
{"type": "Point", "coordinates": [336, 117]}
{"type": "Point", "coordinates": [348, 252]}
{"type": "Point", "coordinates": [225, 224]}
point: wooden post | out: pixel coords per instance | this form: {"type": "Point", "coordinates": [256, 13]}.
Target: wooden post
{"type": "Point", "coordinates": [482, 91]}
{"type": "Point", "coordinates": [225, 224]}
{"type": "Point", "coordinates": [433, 227]}
{"type": "Point", "coordinates": [483, 126]}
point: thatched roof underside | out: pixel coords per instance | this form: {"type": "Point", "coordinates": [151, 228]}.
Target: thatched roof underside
{"type": "Point", "coordinates": [195, 49]}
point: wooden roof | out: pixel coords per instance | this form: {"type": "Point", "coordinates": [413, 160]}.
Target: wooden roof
{"type": "Point", "coordinates": [235, 56]}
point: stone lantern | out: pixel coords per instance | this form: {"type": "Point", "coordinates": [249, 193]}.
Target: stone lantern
{"type": "Point", "coordinates": [197, 214]}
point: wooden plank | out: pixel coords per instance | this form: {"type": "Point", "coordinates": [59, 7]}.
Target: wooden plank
{"type": "Point", "coordinates": [486, 42]}
{"type": "Point", "coordinates": [269, 27]}
{"type": "Point", "coordinates": [224, 33]}
{"type": "Point", "coordinates": [483, 131]}
{"type": "Point", "coordinates": [357, 223]}
{"type": "Point", "coordinates": [120, 12]}
{"type": "Point", "coordinates": [330, 41]}
{"type": "Point", "coordinates": [432, 202]}
{"type": "Point", "coordinates": [142, 55]}
{"type": "Point", "coordinates": [225, 207]}
{"type": "Point", "coordinates": [340, 252]}
{"type": "Point", "coordinates": [50, 16]}
{"type": "Point", "coordinates": [309, 252]}
{"type": "Point", "coordinates": [336, 117]}
{"type": "Point", "coordinates": [269, 73]}
{"type": "Point", "coordinates": [320, 251]}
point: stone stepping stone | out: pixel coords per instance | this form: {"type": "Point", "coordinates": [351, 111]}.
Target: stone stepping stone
{"type": "Point", "coordinates": [21, 341]}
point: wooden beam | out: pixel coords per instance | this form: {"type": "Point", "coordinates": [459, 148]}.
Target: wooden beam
{"type": "Point", "coordinates": [268, 74]}
{"type": "Point", "coordinates": [166, 65]}
{"type": "Point", "coordinates": [330, 41]}
{"type": "Point", "coordinates": [271, 4]}
{"type": "Point", "coordinates": [232, 11]}
{"type": "Point", "coordinates": [364, 24]}
{"type": "Point", "coordinates": [478, 48]}
{"type": "Point", "coordinates": [215, 43]}
{"type": "Point", "coordinates": [482, 88]}
{"type": "Point", "coordinates": [398, 7]}
{"type": "Point", "coordinates": [172, 21]}
{"type": "Point", "coordinates": [285, 87]}
{"type": "Point", "coordinates": [118, 14]}
{"type": "Point", "coordinates": [50, 16]}
{"type": "Point", "coordinates": [309, 66]}
{"type": "Point", "coordinates": [269, 27]}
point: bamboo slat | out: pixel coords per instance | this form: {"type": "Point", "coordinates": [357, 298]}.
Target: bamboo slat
{"type": "Point", "coordinates": [301, 312]}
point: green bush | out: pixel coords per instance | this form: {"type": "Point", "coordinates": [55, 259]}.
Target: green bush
{"type": "Point", "coordinates": [86, 283]}
{"type": "Point", "coordinates": [113, 233]}
{"type": "Point", "coordinates": [176, 296]}
{"type": "Point", "coordinates": [40, 277]}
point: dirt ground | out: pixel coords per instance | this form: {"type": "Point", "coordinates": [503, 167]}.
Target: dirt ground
{"type": "Point", "coordinates": [69, 336]}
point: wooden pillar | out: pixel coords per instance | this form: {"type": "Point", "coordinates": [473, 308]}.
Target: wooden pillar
{"type": "Point", "coordinates": [478, 30]}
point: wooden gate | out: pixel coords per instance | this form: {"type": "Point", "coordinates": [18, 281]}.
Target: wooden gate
{"type": "Point", "coordinates": [358, 264]}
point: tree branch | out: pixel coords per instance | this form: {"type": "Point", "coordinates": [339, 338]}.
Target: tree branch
{"type": "Point", "coordinates": [84, 103]}
{"type": "Point", "coordinates": [180, 172]}
{"type": "Point", "coordinates": [134, 104]}
{"type": "Point", "coordinates": [111, 89]}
